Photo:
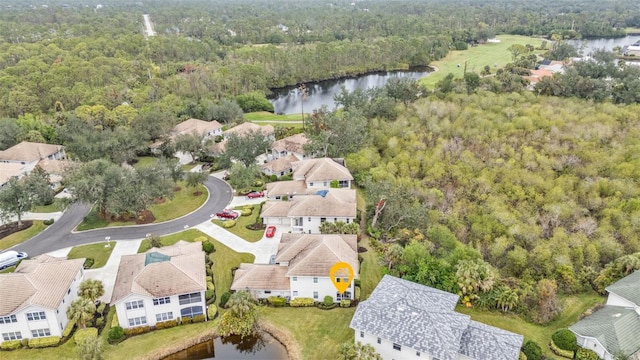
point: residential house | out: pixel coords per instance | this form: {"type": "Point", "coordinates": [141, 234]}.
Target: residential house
{"type": "Point", "coordinates": [614, 329]}
{"type": "Point", "coordinates": [35, 297]}
{"type": "Point", "coordinates": [291, 145]}
{"type": "Point", "coordinates": [280, 166]}
{"type": "Point", "coordinates": [242, 130]}
{"type": "Point", "coordinates": [10, 170]}
{"type": "Point", "coordinates": [29, 154]}
{"type": "Point", "coordinates": [161, 284]}
{"type": "Point", "coordinates": [301, 268]}
{"type": "Point", "coordinates": [405, 320]}
{"type": "Point", "coordinates": [206, 129]}
{"type": "Point", "coordinates": [56, 170]}
{"type": "Point", "coordinates": [309, 176]}
{"type": "Point", "coordinates": [305, 213]}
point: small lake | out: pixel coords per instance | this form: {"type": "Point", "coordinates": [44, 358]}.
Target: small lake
{"type": "Point", "coordinates": [587, 46]}
{"type": "Point", "coordinates": [263, 346]}
{"type": "Point", "coordinates": [288, 100]}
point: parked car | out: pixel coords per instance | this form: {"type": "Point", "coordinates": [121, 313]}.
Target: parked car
{"type": "Point", "coordinates": [255, 194]}
{"type": "Point", "coordinates": [11, 258]}
{"type": "Point", "coordinates": [271, 230]}
{"type": "Point", "coordinates": [227, 214]}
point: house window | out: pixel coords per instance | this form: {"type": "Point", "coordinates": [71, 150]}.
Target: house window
{"type": "Point", "coordinates": [162, 300]}
{"type": "Point", "coordinates": [295, 278]}
{"type": "Point", "coordinates": [136, 304]}
{"type": "Point", "coordinates": [69, 291]}
{"type": "Point", "coordinates": [343, 183]}
{"type": "Point", "coordinates": [295, 293]}
{"type": "Point", "coordinates": [309, 219]}
{"type": "Point", "coordinates": [322, 220]}
{"type": "Point", "coordinates": [15, 335]}
{"type": "Point", "coordinates": [417, 353]}
{"type": "Point", "coordinates": [361, 334]}
{"type": "Point", "coordinates": [315, 294]}
{"type": "Point", "coordinates": [379, 341]}
{"type": "Point", "coordinates": [397, 347]}
{"type": "Point", "coordinates": [40, 333]}
{"type": "Point", "coordinates": [315, 280]}
{"type": "Point", "coordinates": [335, 219]}
{"type": "Point", "coordinates": [267, 291]}
{"type": "Point", "coordinates": [347, 220]}
{"type": "Point", "coordinates": [190, 298]}
{"type": "Point", "coordinates": [138, 321]}
{"type": "Point", "coordinates": [324, 184]}
{"type": "Point", "coordinates": [164, 316]}
{"type": "Point", "coordinates": [338, 296]}
{"type": "Point", "coordinates": [310, 184]}
{"type": "Point", "coordinates": [191, 311]}
{"type": "Point", "coordinates": [8, 319]}
{"type": "Point", "coordinates": [346, 295]}
{"type": "Point", "coordinates": [38, 315]}
{"type": "Point", "coordinates": [345, 279]}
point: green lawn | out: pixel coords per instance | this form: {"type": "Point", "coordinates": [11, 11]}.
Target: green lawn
{"type": "Point", "coordinates": [99, 252]}
{"type": "Point", "coordinates": [265, 115]}
{"type": "Point", "coordinates": [24, 235]}
{"type": "Point", "coordinates": [477, 57]}
{"type": "Point", "coordinates": [632, 30]}
{"type": "Point", "coordinates": [145, 161]}
{"type": "Point", "coordinates": [223, 260]}
{"type": "Point", "coordinates": [8, 270]}
{"type": "Point", "coordinates": [167, 240]}
{"type": "Point", "coordinates": [318, 333]}
{"type": "Point", "coordinates": [183, 202]}
{"type": "Point", "coordinates": [370, 269]}
{"type": "Point", "coordinates": [241, 225]}
{"type": "Point", "coordinates": [55, 206]}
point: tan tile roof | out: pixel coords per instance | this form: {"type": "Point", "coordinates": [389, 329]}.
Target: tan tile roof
{"type": "Point", "coordinates": [218, 148]}
{"type": "Point", "coordinates": [9, 170]}
{"type": "Point", "coordinates": [315, 254]}
{"type": "Point", "coordinates": [197, 126]}
{"type": "Point", "coordinates": [280, 164]}
{"type": "Point", "coordinates": [183, 273]}
{"type": "Point", "coordinates": [286, 187]}
{"type": "Point", "coordinates": [43, 281]}
{"type": "Point", "coordinates": [57, 167]}
{"type": "Point", "coordinates": [29, 151]}
{"type": "Point", "coordinates": [294, 143]}
{"type": "Point", "coordinates": [246, 127]}
{"type": "Point", "coordinates": [322, 169]}
{"type": "Point", "coordinates": [260, 277]}
{"type": "Point", "coordinates": [336, 203]}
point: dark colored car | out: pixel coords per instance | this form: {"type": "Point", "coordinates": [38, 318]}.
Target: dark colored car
{"type": "Point", "coordinates": [255, 194]}
{"type": "Point", "coordinates": [227, 214]}
{"type": "Point", "coordinates": [271, 230]}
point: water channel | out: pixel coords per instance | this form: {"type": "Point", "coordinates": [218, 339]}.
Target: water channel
{"type": "Point", "coordinates": [288, 100]}
{"type": "Point", "coordinates": [262, 346]}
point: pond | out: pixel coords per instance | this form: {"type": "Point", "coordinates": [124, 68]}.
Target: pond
{"type": "Point", "coordinates": [261, 346]}
{"type": "Point", "coordinates": [587, 46]}
{"type": "Point", "coordinates": [288, 100]}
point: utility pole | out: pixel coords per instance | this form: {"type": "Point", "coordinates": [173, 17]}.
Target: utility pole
{"type": "Point", "coordinates": [304, 92]}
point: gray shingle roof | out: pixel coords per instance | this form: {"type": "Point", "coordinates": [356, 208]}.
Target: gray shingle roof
{"type": "Point", "coordinates": [615, 327]}
{"type": "Point", "coordinates": [483, 342]}
{"type": "Point", "coordinates": [628, 287]}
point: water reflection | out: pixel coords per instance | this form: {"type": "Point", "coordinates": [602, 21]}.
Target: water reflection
{"type": "Point", "coordinates": [261, 346]}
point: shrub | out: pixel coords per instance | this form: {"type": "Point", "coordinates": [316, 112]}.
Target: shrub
{"type": "Point", "coordinates": [25, 342]}
{"type": "Point", "coordinates": [44, 342]}
{"type": "Point", "coordinates": [101, 307]}
{"type": "Point", "coordinates": [273, 177]}
{"type": "Point", "coordinates": [224, 298]}
{"type": "Point", "coordinates": [137, 330]}
{"type": "Point", "coordinates": [114, 320]}
{"type": "Point", "coordinates": [209, 294]}
{"type": "Point", "coordinates": [198, 318]}
{"type": "Point", "coordinates": [48, 222]}
{"type": "Point", "coordinates": [246, 212]}
{"type": "Point", "coordinates": [565, 339]}
{"type": "Point", "coordinates": [277, 301]}
{"type": "Point", "coordinates": [11, 345]}
{"type": "Point", "coordinates": [556, 350]}
{"type": "Point", "coordinates": [301, 302]}
{"type": "Point", "coordinates": [209, 279]}
{"type": "Point", "coordinates": [209, 271]}
{"type": "Point", "coordinates": [187, 320]}
{"type": "Point", "coordinates": [68, 329]}
{"type": "Point", "coordinates": [328, 300]}
{"type": "Point", "coordinates": [210, 286]}
{"type": "Point", "coordinates": [586, 354]}
{"type": "Point", "coordinates": [532, 350]}
{"type": "Point", "coordinates": [116, 333]}
{"type": "Point", "coordinates": [166, 324]}
{"type": "Point", "coordinates": [257, 183]}
{"type": "Point", "coordinates": [285, 197]}
{"type": "Point", "coordinates": [212, 311]}
{"type": "Point", "coordinates": [88, 263]}
{"type": "Point", "coordinates": [82, 334]}
{"type": "Point", "coordinates": [358, 291]}
{"type": "Point", "coordinates": [345, 303]}
{"type": "Point", "coordinates": [228, 224]}
{"type": "Point", "coordinates": [208, 247]}
{"type": "Point", "coordinates": [357, 282]}
{"type": "Point", "coordinates": [100, 322]}
{"type": "Point", "coordinates": [327, 307]}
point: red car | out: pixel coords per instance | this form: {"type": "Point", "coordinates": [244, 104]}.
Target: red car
{"type": "Point", "coordinates": [271, 230]}
{"type": "Point", "coordinates": [228, 214]}
{"type": "Point", "coordinates": [255, 194]}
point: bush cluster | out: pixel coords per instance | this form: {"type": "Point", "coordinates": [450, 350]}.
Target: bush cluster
{"type": "Point", "coordinates": [101, 307]}
{"type": "Point", "coordinates": [198, 318]}
{"type": "Point", "coordinates": [48, 222]}
{"type": "Point", "coordinates": [345, 303]}
{"type": "Point", "coordinates": [212, 311]}
{"type": "Point", "coordinates": [209, 294]}
{"type": "Point", "coordinates": [210, 286]}
{"type": "Point", "coordinates": [328, 300]}
{"type": "Point", "coordinates": [11, 345]}
{"type": "Point", "coordinates": [224, 298]}
{"type": "Point", "coordinates": [586, 354]}
{"type": "Point", "coordinates": [116, 334]}
{"type": "Point", "coordinates": [44, 342]}
{"type": "Point", "coordinates": [82, 334]}
{"type": "Point", "coordinates": [565, 339]}
{"type": "Point", "coordinates": [68, 329]}
{"type": "Point", "coordinates": [301, 302]}
{"type": "Point", "coordinates": [137, 330]}
{"type": "Point", "coordinates": [532, 350]}
{"type": "Point", "coordinates": [166, 324]}
{"type": "Point", "coordinates": [246, 212]}
{"type": "Point", "coordinates": [88, 263]}
{"type": "Point", "coordinates": [277, 301]}
{"type": "Point", "coordinates": [563, 353]}
{"type": "Point", "coordinates": [228, 224]}
{"type": "Point", "coordinates": [208, 247]}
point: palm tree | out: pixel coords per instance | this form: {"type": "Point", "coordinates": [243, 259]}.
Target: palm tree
{"type": "Point", "coordinates": [81, 311]}
{"type": "Point", "coordinates": [241, 303]}
{"type": "Point", "coordinates": [91, 289]}
{"type": "Point", "coordinates": [90, 349]}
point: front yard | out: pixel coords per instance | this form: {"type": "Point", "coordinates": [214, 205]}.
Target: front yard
{"type": "Point", "coordinates": [24, 235]}
{"type": "Point", "coordinates": [240, 229]}
{"type": "Point", "coordinates": [99, 252]}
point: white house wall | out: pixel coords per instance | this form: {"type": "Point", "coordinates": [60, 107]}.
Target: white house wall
{"type": "Point", "coordinates": [311, 224]}
{"type": "Point", "coordinates": [617, 300]}
{"type": "Point", "coordinates": [386, 350]}
{"type": "Point", "coordinates": [149, 310]}
{"type": "Point", "coordinates": [593, 344]}
{"type": "Point", "coordinates": [305, 288]}
{"type": "Point", "coordinates": [69, 297]}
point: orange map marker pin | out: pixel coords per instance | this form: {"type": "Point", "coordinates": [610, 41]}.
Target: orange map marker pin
{"type": "Point", "coordinates": [341, 275]}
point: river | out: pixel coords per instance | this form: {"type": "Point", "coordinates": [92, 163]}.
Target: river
{"type": "Point", "coordinates": [262, 346]}
{"type": "Point", "coordinates": [288, 100]}
{"type": "Point", "coordinates": [587, 46]}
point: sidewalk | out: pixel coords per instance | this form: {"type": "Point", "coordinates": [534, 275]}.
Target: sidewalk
{"type": "Point", "coordinates": [36, 216]}
{"type": "Point", "coordinates": [107, 274]}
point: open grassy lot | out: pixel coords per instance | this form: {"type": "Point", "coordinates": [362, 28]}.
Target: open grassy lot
{"type": "Point", "coordinates": [241, 225]}
{"type": "Point", "coordinates": [99, 252]}
{"type": "Point", "coordinates": [319, 333]}
{"type": "Point", "coordinates": [477, 57]}
{"type": "Point", "coordinates": [183, 202]}
{"type": "Point", "coordinates": [264, 115]}
{"type": "Point", "coordinates": [24, 235]}
{"type": "Point", "coordinates": [57, 205]}
{"type": "Point", "coordinates": [167, 240]}
{"type": "Point", "coordinates": [223, 260]}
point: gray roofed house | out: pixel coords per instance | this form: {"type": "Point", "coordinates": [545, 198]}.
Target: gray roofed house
{"type": "Point", "coordinates": [405, 320]}
{"type": "Point", "coordinates": [615, 328]}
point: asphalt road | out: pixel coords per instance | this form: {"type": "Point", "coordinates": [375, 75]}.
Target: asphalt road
{"type": "Point", "coordinates": [60, 235]}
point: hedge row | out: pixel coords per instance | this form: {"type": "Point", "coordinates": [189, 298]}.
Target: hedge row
{"type": "Point", "coordinates": [301, 302]}
{"type": "Point", "coordinates": [210, 286]}
{"type": "Point", "coordinates": [560, 352]}
{"type": "Point", "coordinates": [228, 224]}
{"type": "Point", "coordinates": [199, 318]}
{"type": "Point", "coordinates": [277, 301]}
{"type": "Point", "coordinates": [11, 345]}
{"type": "Point", "coordinates": [137, 330]}
{"type": "Point", "coordinates": [212, 311]}
{"type": "Point", "coordinates": [345, 303]}
{"type": "Point", "coordinates": [68, 329]}
{"type": "Point", "coordinates": [44, 342]}
{"type": "Point", "coordinates": [586, 354]}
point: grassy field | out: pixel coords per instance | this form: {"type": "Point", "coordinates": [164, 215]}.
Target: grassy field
{"type": "Point", "coordinates": [223, 260]}
{"type": "Point", "coordinates": [264, 115]}
{"type": "Point", "coordinates": [55, 206]}
{"type": "Point", "coordinates": [319, 333]}
{"type": "Point", "coordinates": [183, 202]}
{"type": "Point", "coordinates": [241, 226]}
{"type": "Point", "coordinates": [20, 236]}
{"type": "Point", "coordinates": [167, 240]}
{"type": "Point", "coordinates": [370, 269]}
{"type": "Point", "coordinates": [477, 57]}
{"type": "Point", "coordinates": [99, 252]}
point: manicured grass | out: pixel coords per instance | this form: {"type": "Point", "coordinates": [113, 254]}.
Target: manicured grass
{"type": "Point", "coordinates": [632, 30]}
{"type": "Point", "coordinates": [183, 202]}
{"type": "Point", "coordinates": [188, 167]}
{"type": "Point", "coordinates": [64, 351]}
{"type": "Point", "coordinates": [370, 269]}
{"type": "Point", "coordinates": [21, 236]}
{"type": "Point", "coordinates": [265, 115]}
{"type": "Point", "coordinates": [99, 252]}
{"type": "Point", "coordinates": [55, 206]}
{"type": "Point", "coordinates": [8, 270]}
{"type": "Point", "coordinates": [319, 333]}
{"type": "Point", "coordinates": [224, 259]}
{"type": "Point", "coordinates": [145, 161]}
{"type": "Point", "coordinates": [240, 229]}
{"type": "Point", "coordinates": [477, 57]}
{"type": "Point", "coordinates": [167, 240]}
{"type": "Point", "coordinates": [573, 307]}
